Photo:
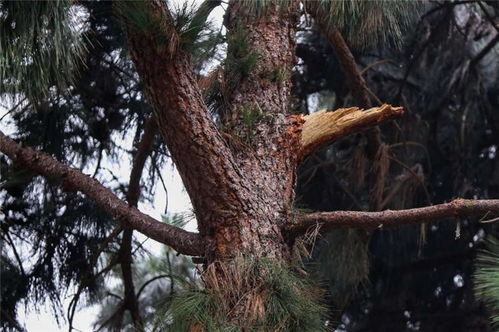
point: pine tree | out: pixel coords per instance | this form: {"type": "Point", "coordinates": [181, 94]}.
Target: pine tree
{"type": "Point", "coordinates": [232, 135]}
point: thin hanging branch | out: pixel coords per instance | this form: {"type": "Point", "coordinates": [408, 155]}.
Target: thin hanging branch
{"type": "Point", "coordinates": [458, 208]}
{"type": "Point", "coordinates": [73, 179]}
{"type": "Point", "coordinates": [130, 300]}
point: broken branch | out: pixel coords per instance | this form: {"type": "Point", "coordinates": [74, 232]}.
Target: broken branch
{"type": "Point", "coordinates": [324, 127]}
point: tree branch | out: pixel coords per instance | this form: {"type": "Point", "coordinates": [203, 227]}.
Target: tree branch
{"type": "Point", "coordinates": [73, 180]}
{"type": "Point", "coordinates": [130, 299]}
{"type": "Point", "coordinates": [458, 208]}
{"type": "Point", "coordinates": [355, 81]}
{"type": "Point", "coordinates": [143, 150]}
{"type": "Point", "coordinates": [196, 145]}
{"type": "Point", "coordinates": [324, 127]}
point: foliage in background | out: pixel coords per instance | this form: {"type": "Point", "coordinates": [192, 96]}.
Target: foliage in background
{"type": "Point", "coordinates": [486, 277]}
{"type": "Point", "coordinates": [443, 148]}
{"type": "Point", "coordinates": [365, 23]}
{"type": "Point", "coordinates": [159, 279]}
{"type": "Point", "coordinates": [40, 46]}
{"type": "Point", "coordinates": [445, 76]}
{"type": "Point", "coordinates": [52, 241]}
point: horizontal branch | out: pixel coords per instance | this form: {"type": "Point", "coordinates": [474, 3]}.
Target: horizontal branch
{"type": "Point", "coordinates": [73, 180]}
{"type": "Point", "coordinates": [324, 127]}
{"type": "Point", "coordinates": [458, 208]}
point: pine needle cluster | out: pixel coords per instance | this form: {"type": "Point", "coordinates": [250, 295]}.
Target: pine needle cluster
{"type": "Point", "coordinates": [486, 277]}
{"type": "Point", "coordinates": [249, 295]}
{"type": "Point", "coordinates": [366, 23]}
{"type": "Point", "coordinates": [39, 46]}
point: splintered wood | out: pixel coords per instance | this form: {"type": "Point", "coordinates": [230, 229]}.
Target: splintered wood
{"type": "Point", "coordinates": [324, 127]}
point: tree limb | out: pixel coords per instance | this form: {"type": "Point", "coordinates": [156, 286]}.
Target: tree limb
{"type": "Point", "coordinates": [143, 150]}
{"type": "Point", "coordinates": [324, 127]}
{"type": "Point", "coordinates": [130, 300]}
{"type": "Point", "coordinates": [458, 208]}
{"type": "Point", "coordinates": [355, 81]}
{"type": "Point", "coordinates": [74, 180]}
{"type": "Point", "coordinates": [202, 156]}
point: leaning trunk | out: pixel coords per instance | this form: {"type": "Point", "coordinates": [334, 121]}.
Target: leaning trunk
{"type": "Point", "coordinates": [240, 180]}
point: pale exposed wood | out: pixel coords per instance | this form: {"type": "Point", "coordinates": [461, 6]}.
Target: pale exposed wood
{"type": "Point", "coordinates": [324, 127]}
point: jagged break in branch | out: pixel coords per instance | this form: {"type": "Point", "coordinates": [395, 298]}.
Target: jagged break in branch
{"type": "Point", "coordinates": [324, 127]}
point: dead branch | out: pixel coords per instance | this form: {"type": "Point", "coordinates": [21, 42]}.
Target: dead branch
{"type": "Point", "coordinates": [324, 127]}
{"type": "Point", "coordinates": [458, 208]}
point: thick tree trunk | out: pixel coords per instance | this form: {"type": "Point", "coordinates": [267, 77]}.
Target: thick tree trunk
{"type": "Point", "coordinates": [241, 195]}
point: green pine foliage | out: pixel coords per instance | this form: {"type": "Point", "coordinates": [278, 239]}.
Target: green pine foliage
{"type": "Point", "coordinates": [260, 7]}
{"type": "Point", "coordinates": [486, 277]}
{"type": "Point", "coordinates": [368, 22]}
{"type": "Point", "coordinates": [364, 22]}
{"type": "Point", "coordinates": [343, 260]}
{"type": "Point", "coordinates": [271, 296]}
{"type": "Point", "coordinates": [157, 280]}
{"type": "Point", "coordinates": [241, 60]}
{"type": "Point", "coordinates": [40, 46]}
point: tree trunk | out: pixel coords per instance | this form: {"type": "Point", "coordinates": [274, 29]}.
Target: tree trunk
{"type": "Point", "coordinates": [241, 193]}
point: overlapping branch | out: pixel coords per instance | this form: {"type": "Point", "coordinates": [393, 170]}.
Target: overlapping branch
{"type": "Point", "coordinates": [458, 208]}
{"type": "Point", "coordinates": [73, 179]}
{"type": "Point", "coordinates": [324, 127]}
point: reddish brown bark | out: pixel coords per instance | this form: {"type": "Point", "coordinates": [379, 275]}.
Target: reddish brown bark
{"type": "Point", "coordinates": [267, 155]}
{"type": "Point", "coordinates": [237, 194]}
{"type": "Point", "coordinates": [458, 208]}
{"type": "Point", "coordinates": [73, 180]}
{"type": "Point", "coordinates": [218, 191]}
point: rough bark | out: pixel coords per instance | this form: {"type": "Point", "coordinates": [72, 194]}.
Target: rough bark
{"type": "Point", "coordinates": [267, 155]}
{"type": "Point", "coordinates": [458, 208]}
{"type": "Point", "coordinates": [73, 180]}
{"type": "Point", "coordinates": [218, 190]}
{"type": "Point", "coordinates": [237, 194]}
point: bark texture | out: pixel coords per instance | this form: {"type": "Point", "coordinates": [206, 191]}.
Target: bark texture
{"type": "Point", "coordinates": [243, 193]}
{"type": "Point", "coordinates": [458, 208]}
